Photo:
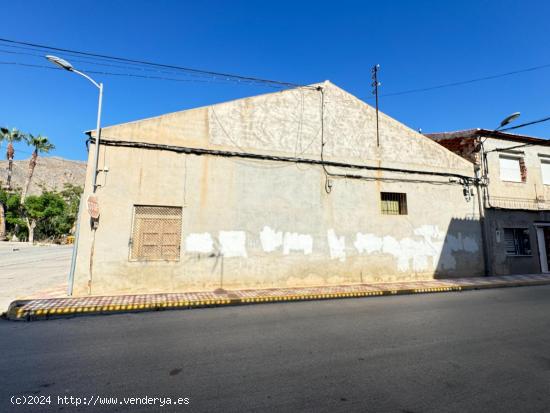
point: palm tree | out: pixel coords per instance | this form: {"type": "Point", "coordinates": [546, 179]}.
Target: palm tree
{"type": "Point", "coordinates": [10, 136]}
{"type": "Point", "coordinates": [41, 145]}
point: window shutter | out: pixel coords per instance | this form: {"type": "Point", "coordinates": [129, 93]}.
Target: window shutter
{"type": "Point", "coordinates": [510, 169]}
{"type": "Point", "coordinates": [545, 169]}
{"type": "Point", "coordinates": [156, 234]}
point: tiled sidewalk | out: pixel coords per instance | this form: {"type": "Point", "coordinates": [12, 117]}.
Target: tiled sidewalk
{"type": "Point", "coordinates": [41, 308]}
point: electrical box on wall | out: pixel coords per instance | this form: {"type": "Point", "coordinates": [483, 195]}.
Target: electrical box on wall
{"type": "Point", "coordinates": [497, 233]}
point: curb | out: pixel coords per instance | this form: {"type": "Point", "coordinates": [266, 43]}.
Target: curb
{"type": "Point", "coordinates": [16, 311]}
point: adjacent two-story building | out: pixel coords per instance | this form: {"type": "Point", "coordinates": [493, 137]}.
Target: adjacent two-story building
{"type": "Point", "coordinates": [515, 181]}
{"type": "Point", "coordinates": [292, 188]}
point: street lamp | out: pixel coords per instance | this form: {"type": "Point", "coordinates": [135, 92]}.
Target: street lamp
{"type": "Point", "coordinates": [508, 119]}
{"type": "Point", "coordinates": [62, 63]}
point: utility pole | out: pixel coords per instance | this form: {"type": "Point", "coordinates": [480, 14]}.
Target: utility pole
{"type": "Point", "coordinates": [375, 84]}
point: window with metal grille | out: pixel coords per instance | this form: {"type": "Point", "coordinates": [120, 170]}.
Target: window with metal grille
{"type": "Point", "coordinates": [393, 203]}
{"type": "Point", "coordinates": [156, 234]}
{"type": "Point", "coordinates": [516, 241]}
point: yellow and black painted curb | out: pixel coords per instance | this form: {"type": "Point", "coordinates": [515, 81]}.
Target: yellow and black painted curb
{"type": "Point", "coordinates": [18, 312]}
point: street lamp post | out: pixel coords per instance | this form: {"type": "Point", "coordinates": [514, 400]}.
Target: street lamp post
{"type": "Point", "coordinates": [67, 66]}
{"type": "Point", "coordinates": [62, 63]}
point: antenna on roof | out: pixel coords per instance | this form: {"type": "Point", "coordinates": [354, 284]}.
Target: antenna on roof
{"type": "Point", "coordinates": [375, 84]}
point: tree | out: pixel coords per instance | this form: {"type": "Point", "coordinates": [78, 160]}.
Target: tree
{"type": "Point", "coordinates": [46, 212]}
{"type": "Point", "coordinates": [10, 136]}
{"type": "Point", "coordinates": [12, 218]}
{"type": "Point", "coordinates": [41, 145]}
{"type": "Point", "coordinates": [71, 195]}
{"type": "Point", "coordinates": [3, 199]}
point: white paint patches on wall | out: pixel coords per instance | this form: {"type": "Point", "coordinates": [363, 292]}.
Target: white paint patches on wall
{"type": "Point", "coordinates": [470, 244]}
{"type": "Point", "coordinates": [202, 243]}
{"type": "Point", "coordinates": [233, 243]}
{"type": "Point", "coordinates": [430, 250]}
{"type": "Point", "coordinates": [368, 243]}
{"type": "Point", "coordinates": [429, 232]}
{"type": "Point", "coordinates": [270, 239]}
{"type": "Point", "coordinates": [293, 241]}
{"type": "Point", "coordinates": [337, 245]}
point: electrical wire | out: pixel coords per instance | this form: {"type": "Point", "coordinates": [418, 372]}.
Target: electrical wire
{"type": "Point", "coordinates": [248, 155]}
{"type": "Point", "coordinates": [466, 82]}
{"type": "Point", "coordinates": [154, 64]}
{"type": "Point", "coordinates": [139, 68]}
{"type": "Point", "coordinates": [524, 144]}
{"type": "Point", "coordinates": [138, 64]}
{"type": "Point", "coordinates": [328, 184]}
{"type": "Point", "coordinates": [96, 72]}
{"type": "Point", "coordinates": [527, 124]}
{"type": "Point", "coordinates": [204, 78]}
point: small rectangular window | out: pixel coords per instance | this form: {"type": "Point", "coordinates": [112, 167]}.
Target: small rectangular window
{"type": "Point", "coordinates": [512, 169]}
{"type": "Point", "coordinates": [545, 169]}
{"type": "Point", "coordinates": [393, 203]}
{"type": "Point", "coordinates": [516, 241]}
{"type": "Point", "coordinates": [156, 234]}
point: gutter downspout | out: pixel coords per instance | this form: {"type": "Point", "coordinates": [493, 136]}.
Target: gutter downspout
{"type": "Point", "coordinates": [482, 223]}
{"type": "Point", "coordinates": [481, 185]}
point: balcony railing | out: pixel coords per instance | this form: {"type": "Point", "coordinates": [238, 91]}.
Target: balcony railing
{"type": "Point", "coordinates": [533, 204]}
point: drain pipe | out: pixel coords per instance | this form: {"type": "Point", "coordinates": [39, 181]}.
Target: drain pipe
{"type": "Point", "coordinates": [481, 205]}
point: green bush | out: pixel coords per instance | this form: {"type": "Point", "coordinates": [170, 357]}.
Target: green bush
{"type": "Point", "coordinates": [53, 212]}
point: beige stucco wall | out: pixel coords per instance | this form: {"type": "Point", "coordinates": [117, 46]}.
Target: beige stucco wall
{"type": "Point", "coordinates": [516, 205]}
{"type": "Point", "coordinates": [258, 223]}
{"type": "Point", "coordinates": [533, 187]}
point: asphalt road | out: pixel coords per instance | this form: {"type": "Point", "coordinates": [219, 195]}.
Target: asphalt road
{"type": "Point", "coordinates": [19, 277]}
{"type": "Point", "coordinates": [477, 351]}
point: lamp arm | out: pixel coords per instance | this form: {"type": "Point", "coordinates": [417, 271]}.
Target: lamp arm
{"type": "Point", "coordinates": [87, 77]}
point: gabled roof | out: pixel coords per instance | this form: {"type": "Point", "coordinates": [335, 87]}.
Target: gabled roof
{"type": "Point", "coordinates": [474, 133]}
{"type": "Point", "coordinates": [319, 120]}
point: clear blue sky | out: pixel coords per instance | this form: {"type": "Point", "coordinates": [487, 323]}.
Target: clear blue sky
{"type": "Point", "coordinates": [417, 43]}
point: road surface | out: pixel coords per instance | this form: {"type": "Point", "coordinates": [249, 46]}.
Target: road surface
{"type": "Point", "coordinates": [477, 351]}
{"type": "Point", "coordinates": [32, 270]}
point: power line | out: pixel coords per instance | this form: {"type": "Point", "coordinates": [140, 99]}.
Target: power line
{"type": "Point", "coordinates": [219, 76]}
{"type": "Point", "coordinates": [96, 72]}
{"type": "Point", "coordinates": [205, 78]}
{"type": "Point", "coordinates": [148, 63]}
{"type": "Point", "coordinates": [528, 123]}
{"type": "Point", "coordinates": [41, 56]}
{"type": "Point", "coordinates": [465, 82]}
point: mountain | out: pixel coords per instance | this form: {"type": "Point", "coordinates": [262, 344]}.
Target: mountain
{"type": "Point", "coordinates": [51, 172]}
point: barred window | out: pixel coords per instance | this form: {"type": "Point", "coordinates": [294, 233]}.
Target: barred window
{"type": "Point", "coordinates": [393, 203]}
{"type": "Point", "coordinates": [156, 234]}
{"type": "Point", "coordinates": [516, 241]}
